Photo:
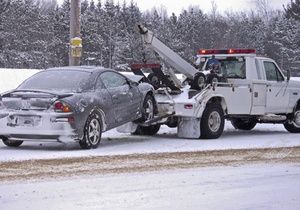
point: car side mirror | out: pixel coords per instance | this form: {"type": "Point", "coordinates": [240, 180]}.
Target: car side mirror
{"type": "Point", "coordinates": [132, 83]}
{"type": "Point", "coordinates": [288, 75]}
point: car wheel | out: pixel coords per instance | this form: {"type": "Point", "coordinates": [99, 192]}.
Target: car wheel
{"type": "Point", "coordinates": [294, 125]}
{"type": "Point", "coordinates": [146, 130]}
{"type": "Point", "coordinates": [11, 143]}
{"type": "Point", "coordinates": [92, 132]}
{"type": "Point", "coordinates": [148, 109]}
{"type": "Point", "coordinates": [212, 122]}
{"type": "Point", "coordinates": [243, 124]}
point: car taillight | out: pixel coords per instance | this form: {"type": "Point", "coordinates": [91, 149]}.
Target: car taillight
{"type": "Point", "coordinates": [61, 107]}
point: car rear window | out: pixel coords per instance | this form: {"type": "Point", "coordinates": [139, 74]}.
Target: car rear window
{"type": "Point", "coordinates": [59, 80]}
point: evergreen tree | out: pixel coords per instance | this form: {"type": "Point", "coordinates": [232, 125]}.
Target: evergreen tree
{"type": "Point", "coordinates": [293, 10]}
{"type": "Point", "coordinates": [35, 33]}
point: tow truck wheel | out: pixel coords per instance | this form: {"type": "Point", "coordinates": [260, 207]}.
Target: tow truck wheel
{"type": "Point", "coordinates": [212, 121]}
{"type": "Point", "coordinates": [241, 124]}
{"type": "Point", "coordinates": [213, 78]}
{"type": "Point", "coordinates": [199, 81]}
{"type": "Point", "coordinates": [294, 125]}
{"type": "Point", "coordinates": [154, 80]}
{"type": "Point", "coordinates": [11, 143]}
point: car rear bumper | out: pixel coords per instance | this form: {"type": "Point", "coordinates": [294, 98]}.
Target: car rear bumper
{"type": "Point", "coordinates": [48, 127]}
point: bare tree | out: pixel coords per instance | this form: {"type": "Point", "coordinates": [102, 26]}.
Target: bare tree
{"type": "Point", "coordinates": [264, 9]}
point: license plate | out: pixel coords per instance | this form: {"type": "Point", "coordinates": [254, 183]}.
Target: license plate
{"type": "Point", "coordinates": [20, 120]}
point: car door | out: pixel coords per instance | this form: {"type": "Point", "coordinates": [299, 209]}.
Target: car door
{"type": "Point", "coordinates": [103, 101]}
{"type": "Point", "coordinates": [135, 97]}
{"type": "Point", "coordinates": [277, 97]}
{"type": "Point", "coordinates": [119, 89]}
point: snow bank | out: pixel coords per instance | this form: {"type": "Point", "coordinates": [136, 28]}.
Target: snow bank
{"type": "Point", "coordinates": [11, 78]}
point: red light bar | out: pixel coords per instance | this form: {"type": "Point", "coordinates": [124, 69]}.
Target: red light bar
{"type": "Point", "coordinates": [145, 65]}
{"type": "Point", "coordinates": [227, 51]}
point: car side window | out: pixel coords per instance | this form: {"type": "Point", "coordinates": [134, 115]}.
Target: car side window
{"type": "Point", "coordinates": [112, 79]}
{"type": "Point", "coordinates": [272, 72]}
{"type": "Point", "coordinates": [99, 84]}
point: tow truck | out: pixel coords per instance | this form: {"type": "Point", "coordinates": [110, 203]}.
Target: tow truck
{"type": "Point", "coordinates": [227, 84]}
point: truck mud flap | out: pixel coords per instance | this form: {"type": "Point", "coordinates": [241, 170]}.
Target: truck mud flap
{"type": "Point", "coordinates": [189, 128]}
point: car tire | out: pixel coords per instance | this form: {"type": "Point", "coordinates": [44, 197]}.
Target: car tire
{"type": "Point", "coordinates": [290, 126]}
{"type": "Point", "coordinates": [11, 143]}
{"type": "Point", "coordinates": [146, 130]}
{"type": "Point", "coordinates": [241, 124]}
{"type": "Point", "coordinates": [149, 108]}
{"type": "Point", "coordinates": [212, 121]}
{"type": "Point", "coordinates": [92, 132]}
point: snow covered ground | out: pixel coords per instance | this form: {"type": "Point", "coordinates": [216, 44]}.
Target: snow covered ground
{"type": "Point", "coordinates": [114, 143]}
{"type": "Point", "coordinates": [260, 186]}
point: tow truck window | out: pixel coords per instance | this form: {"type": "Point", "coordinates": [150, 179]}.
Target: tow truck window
{"type": "Point", "coordinates": [272, 72]}
{"type": "Point", "coordinates": [233, 67]}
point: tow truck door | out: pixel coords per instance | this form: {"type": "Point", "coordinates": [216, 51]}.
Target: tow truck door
{"type": "Point", "coordinates": [277, 96]}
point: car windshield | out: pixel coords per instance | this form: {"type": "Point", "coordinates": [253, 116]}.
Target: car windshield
{"type": "Point", "coordinates": [57, 80]}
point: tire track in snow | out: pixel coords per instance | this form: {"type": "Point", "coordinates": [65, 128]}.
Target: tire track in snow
{"type": "Point", "coordinates": [99, 165]}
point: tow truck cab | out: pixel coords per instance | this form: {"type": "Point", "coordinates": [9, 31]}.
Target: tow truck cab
{"type": "Point", "coordinates": [249, 89]}
{"type": "Point", "coordinates": [260, 86]}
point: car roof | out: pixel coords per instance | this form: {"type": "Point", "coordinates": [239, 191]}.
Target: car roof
{"type": "Point", "coordinates": [90, 69]}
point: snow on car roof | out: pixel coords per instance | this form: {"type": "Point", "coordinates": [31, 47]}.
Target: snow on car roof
{"type": "Point", "coordinates": [79, 68]}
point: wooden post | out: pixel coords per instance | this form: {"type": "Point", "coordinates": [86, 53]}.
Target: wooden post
{"type": "Point", "coordinates": [74, 29]}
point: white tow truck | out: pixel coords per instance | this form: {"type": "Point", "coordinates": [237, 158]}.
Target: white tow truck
{"type": "Point", "coordinates": [233, 84]}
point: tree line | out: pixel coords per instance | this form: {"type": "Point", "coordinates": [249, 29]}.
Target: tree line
{"type": "Point", "coordinates": [35, 33]}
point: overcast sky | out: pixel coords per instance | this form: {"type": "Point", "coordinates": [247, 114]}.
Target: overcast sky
{"type": "Point", "coordinates": [223, 5]}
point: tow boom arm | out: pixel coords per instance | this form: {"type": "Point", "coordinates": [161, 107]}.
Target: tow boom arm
{"type": "Point", "coordinates": [172, 58]}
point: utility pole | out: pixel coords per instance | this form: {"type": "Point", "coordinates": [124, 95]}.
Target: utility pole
{"type": "Point", "coordinates": [75, 40]}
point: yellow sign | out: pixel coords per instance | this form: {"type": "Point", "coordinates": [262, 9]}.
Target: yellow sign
{"type": "Point", "coordinates": [76, 42]}
{"type": "Point", "coordinates": [76, 47]}
{"type": "Point", "coordinates": [76, 51]}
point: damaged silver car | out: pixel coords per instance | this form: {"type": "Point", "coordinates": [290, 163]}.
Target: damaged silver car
{"type": "Point", "coordinates": [73, 103]}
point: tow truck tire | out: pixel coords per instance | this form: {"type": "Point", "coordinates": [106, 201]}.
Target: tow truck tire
{"type": "Point", "coordinates": [146, 130]}
{"type": "Point", "coordinates": [11, 143]}
{"type": "Point", "coordinates": [212, 121]}
{"type": "Point", "coordinates": [212, 78]}
{"type": "Point", "coordinates": [199, 81]}
{"type": "Point", "coordinates": [154, 80]}
{"type": "Point", "coordinates": [290, 126]}
{"type": "Point", "coordinates": [241, 124]}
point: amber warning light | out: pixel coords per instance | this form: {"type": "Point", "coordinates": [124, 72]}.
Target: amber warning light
{"type": "Point", "coordinates": [227, 51]}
